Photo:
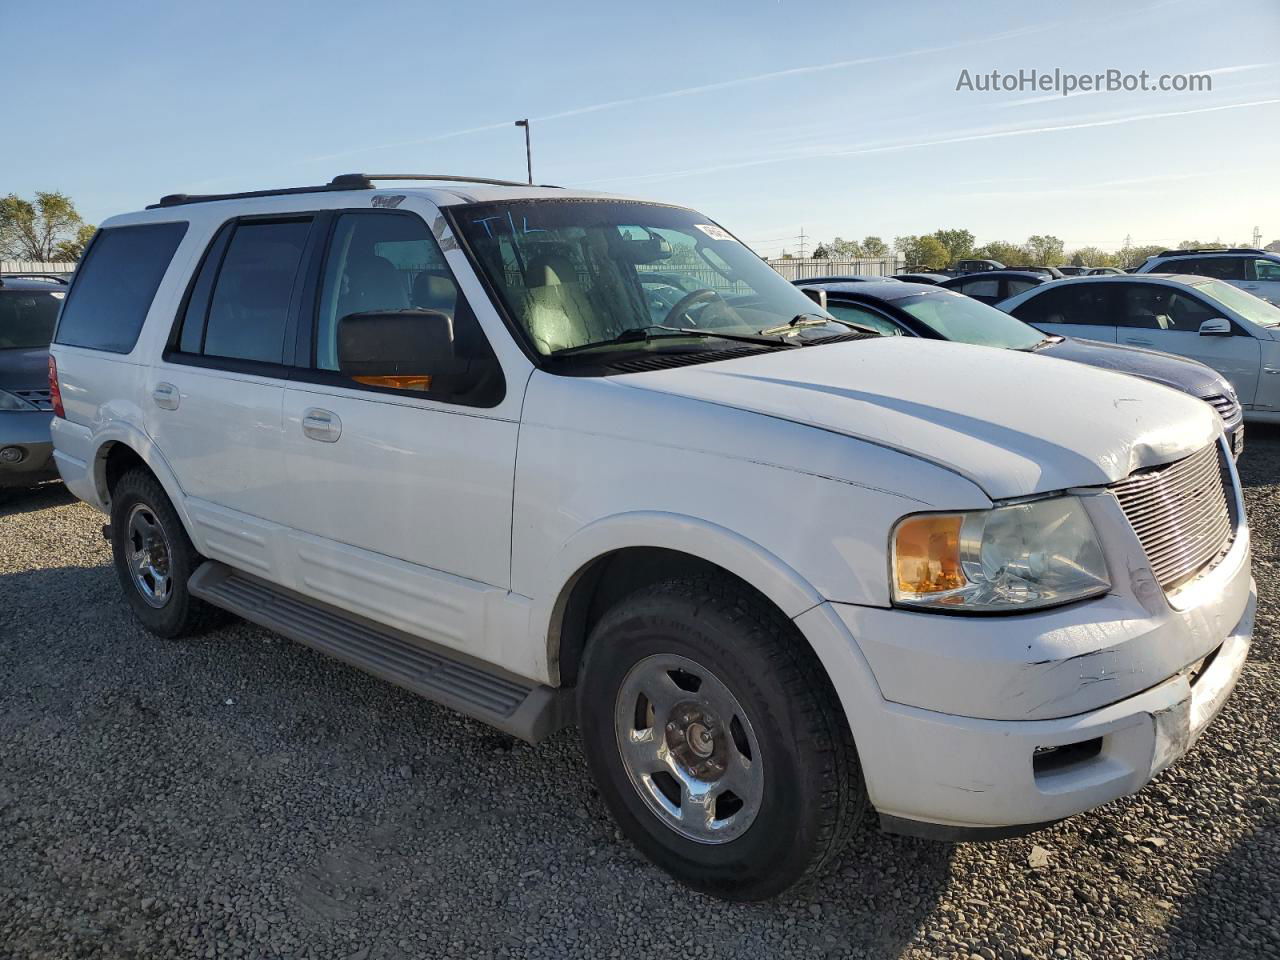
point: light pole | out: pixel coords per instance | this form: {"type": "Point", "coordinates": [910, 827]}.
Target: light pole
{"type": "Point", "coordinates": [528, 150]}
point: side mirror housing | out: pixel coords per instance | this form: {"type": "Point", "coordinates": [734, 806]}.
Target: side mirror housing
{"type": "Point", "coordinates": [400, 349]}
{"type": "Point", "coordinates": [817, 295]}
{"type": "Point", "coordinates": [1216, 327]}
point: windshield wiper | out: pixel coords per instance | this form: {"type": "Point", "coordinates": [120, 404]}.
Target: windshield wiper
{"type": "Point", "coordinates": [816, 320]}
{"type": "Point", "coordinates": [638, 334]}
{"type": "Point", "coordinates": [1046, 342]}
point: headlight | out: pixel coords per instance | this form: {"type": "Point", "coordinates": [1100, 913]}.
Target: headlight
{"type": "Point", "coordinates": [9, 402]}
{"type": "Point", "coordinates": [1018, 557]}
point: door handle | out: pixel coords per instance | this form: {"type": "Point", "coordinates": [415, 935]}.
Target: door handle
{"type": "Point", "coordinates": [1137, 341]}
{"type": "Point", "coordinates": [322, 425]}
{"type": "Point", "coordinates": [166, 396]}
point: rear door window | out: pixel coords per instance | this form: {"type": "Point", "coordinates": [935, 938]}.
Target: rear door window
{"type": "Point", "coordinates": [115, 284]}
{"type": "Point", "coordinates": [1083, 304]}
{"type": "Point", "coordinates": [239, 306]}
{"type": "Point", "coordinates": [1221, 268]}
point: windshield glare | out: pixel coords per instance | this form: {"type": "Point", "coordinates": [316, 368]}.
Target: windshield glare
{"type": "Point", "coordinates": [27, 318]}
{"type": "Point", "coordinates": [579, 272]}
{"type": "Point", "coordinates": [1252, 308]}
{"type": "Point", "coordinates": [965, 320]}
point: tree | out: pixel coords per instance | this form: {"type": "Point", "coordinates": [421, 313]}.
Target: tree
{"type": "Point", "coordinates": [48, 229]}
{"type": "Point", "coordinates": [1134, 256]}
{"type": "Point", "coordinates": [931, 253]}
{"type": "Point", "coordinates": [820, 253]}
{"type": "Point", "coordinates": [959, 243]}
{"type": "Point", "coordinates": [1273, 246]}
{"type": "Point", "coordinates": [1198, 245]}
{"type": "Point", "coordinates": [1093, 257]}
{"type": "Point", "coordinates": [845, 249]}
{"type": "Point", "coordinates": [1044, 250]}
{"type": "Point", "coordinates": [1007, 253]}
{"type": "Point", "coordinates": [874, 247]}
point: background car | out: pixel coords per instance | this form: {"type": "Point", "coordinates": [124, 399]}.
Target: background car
{"type": "Point", "coordinates": [1201, 318]}
{"type": "Point", "coordinates": [28, 309]}
{"type": "Point", "coordinates": [932, 312]}
{"type": "Point", "coordinates": [1245, 267]}
{"type": "Point", "coordinates": [845, 278]}
{"type": "Point", "coordinates": [1104, 272]}
{"type": "Point", "coordinates": [930, 278]}
{"type": "Point", "coordinates": [975, 266]}
{"type": "Point", "coordinates": [996, 285]}
{"type": "Point", "coordinates": [1071, 270]}
{"type": "Point", "coordinates": [1053, 273]}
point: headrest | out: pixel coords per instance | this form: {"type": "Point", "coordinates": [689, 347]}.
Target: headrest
{"type": "Point", "coordinates": [550, 269]}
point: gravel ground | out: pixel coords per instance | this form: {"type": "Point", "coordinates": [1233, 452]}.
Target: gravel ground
{"type": "Point", "coordinates": [241, 796]}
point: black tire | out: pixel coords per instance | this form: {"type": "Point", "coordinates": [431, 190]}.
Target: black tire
{"type": "Point", "coordinates": [812, 795]}
{"type": "Point", "coordinates": [181, 614]}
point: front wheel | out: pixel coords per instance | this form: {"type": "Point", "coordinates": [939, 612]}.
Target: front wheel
{"type": "Point", "coordinates": [716, 739]}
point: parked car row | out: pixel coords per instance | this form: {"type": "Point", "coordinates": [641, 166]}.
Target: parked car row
{"type": "Point", "coordinates": [551, 457]}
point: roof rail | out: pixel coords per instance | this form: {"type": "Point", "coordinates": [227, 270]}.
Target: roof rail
{"type": "Point", "coordinates": [1179, 253]}
{"type": "Point", "coordinates": [343, 181]}
{"type": "Point", "coordinates": [364, 181]}
{"type": "Point", "coordinates": [33, 276]}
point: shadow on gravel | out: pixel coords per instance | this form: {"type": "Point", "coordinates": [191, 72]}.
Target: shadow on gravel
{"type": "Point", "coordinates": [1226, 916]}
{"type": "Point", "coordinates": [1259, 465]}
{"type": "Point", "coordinates": [31, 499]}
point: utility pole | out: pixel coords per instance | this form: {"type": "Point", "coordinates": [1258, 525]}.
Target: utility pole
{"type": "Point", "coordinates": [1257, 237]}
{"type": "Point", "coordinates": [528, 150]}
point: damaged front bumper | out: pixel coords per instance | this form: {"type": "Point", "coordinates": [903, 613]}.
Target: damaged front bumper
{"type": "Point", "coordinates": [984, 779]}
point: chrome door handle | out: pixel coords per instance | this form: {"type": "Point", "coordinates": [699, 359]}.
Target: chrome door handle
{"type": "Point", "coordinates": [1137, 342]}
{"type": "Point", "coordinates": [166, 396]}
{"type": "Point", "coordinates": [322, 425]}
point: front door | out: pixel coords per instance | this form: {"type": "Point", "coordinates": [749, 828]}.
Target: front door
{"type": "Point", "coordinates": [401, 495]}
{"type": "Point", "coordinates": [1166, 318]}
{"type": "Point", "coordinates": [1071, 309]}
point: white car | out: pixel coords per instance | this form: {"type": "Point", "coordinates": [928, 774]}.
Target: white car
{"type": "Point", "coordinates": [1257, 271]}
{"type": "Point", "coordinates": [1209, 320]}
{"type": "Point", "coordinates": [779, 572]}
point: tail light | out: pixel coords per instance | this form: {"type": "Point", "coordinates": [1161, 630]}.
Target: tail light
{"type": "Point", "coordinates": [55, 392]}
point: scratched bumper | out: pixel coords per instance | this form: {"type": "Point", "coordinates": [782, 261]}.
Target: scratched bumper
{"type": "Point", "coordinates": [969, 773]}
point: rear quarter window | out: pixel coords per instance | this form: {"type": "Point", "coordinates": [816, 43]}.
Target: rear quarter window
{"type": "Point", "coordinates": [115, 284]}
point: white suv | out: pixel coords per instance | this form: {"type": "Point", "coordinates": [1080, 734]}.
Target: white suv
{"type": "Point", "coordinates": [1245, 267]}
{"type": "Point", "coordinates": [550, 457]}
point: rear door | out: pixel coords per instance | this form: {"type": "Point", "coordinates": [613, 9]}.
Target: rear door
{"type": "Point", "coordinates": [214, 401]}
{"type": "Point", "coordinates": [1262, 279]}
{"type": "Point", "coordinates": [1071, 309]}
{"type": "Point", "coordinates": [985, 289]}
{"type": "Point", "coordinates": [1168, 318]}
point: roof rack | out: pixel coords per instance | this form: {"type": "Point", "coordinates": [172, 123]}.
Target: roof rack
{"type": "Point", "coordinates": [343, 181]}
{"type": "Point", "coordinates": [1178, 253]}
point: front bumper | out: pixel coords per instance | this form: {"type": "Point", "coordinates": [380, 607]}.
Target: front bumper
{"type": "Point", "coordinates": [28, 434]}
{"type": "Point", "coordinates": [972, 776]}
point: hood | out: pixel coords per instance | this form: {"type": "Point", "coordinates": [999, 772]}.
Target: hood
{"type": "Point", "coordinates": [22, 368]}
{"type": "Point", "coordinates": [1013, 423]}
{"type": "Point", "coordinates": [1189, 376]}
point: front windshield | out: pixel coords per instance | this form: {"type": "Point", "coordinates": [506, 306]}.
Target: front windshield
{"type": "Point", "coordinates": [956, 317]}
{"type": "Point", "coordinates": [1252, 308]}
{"type": "Point", "coordinates": [27, 317]}
{"type": "Point", "coordinates": [574, 273]}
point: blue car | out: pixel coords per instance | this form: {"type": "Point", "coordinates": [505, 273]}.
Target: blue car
{"type": "Point", "coordinates": [28, 309]}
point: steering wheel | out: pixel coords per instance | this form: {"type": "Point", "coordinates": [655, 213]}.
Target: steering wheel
{"type": "Point", "coordinates": [688, 300]}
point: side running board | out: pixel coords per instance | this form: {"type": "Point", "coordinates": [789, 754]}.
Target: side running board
{"type": "Point", "coordinates": [514, 705]}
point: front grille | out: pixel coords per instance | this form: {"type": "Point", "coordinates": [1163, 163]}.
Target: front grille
{"type": "Point", "coordinates": [1180, 513]}
{"type": "Point", "coordinates": [39, 398]}
{"type": "Point", "coordinates": [1227, 408]}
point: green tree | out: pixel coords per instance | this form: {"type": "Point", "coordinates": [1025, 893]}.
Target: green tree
{"type": "Point", "coordinates": [875, 247]}
{"type": "Point", "coordinates": [820, 252]}
{"type": "Point", "coordinates": [1198, 245]}
{"type": "Point", "coordinates": [931, 253]}
{"type": "Point", "coordinates": [1010, 254]}
{"type": "Point", "coordinates": [1044, 250]}
{"type": "Point", "coordinates": [959, 243]}
{"type": "Point", "coordinates": [48, 229]}
{"type": "Point", "coordinates": [1134, 256]}
{"type": "Point", "coordinates": [1093, 257]}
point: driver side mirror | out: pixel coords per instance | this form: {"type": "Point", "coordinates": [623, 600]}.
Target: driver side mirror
{"type": "Point", "coordinates": [399, 349]}
{"type": "Point", "coordinates": [1217, 327]}
{"type": "Point", "coordinates": [817, 295]}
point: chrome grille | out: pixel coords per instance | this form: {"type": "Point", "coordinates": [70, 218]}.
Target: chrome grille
{"type": "Point", "coordinates": [40, 398]}
{"type": "Point", "coordinates": [1227, 408]}
{"type": "Point", "coordinates": [1180, 513]}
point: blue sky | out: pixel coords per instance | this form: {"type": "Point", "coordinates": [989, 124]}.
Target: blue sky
{"type": "Point", "coordinates": [839, 118]}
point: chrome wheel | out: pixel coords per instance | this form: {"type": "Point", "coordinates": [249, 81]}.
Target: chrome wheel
{"type": "Point", "coordinates": [148, 556]}
{"type": "Point", "coordinates": [688, 748]}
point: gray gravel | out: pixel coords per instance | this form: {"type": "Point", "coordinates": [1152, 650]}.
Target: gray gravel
{"type": "Point", "coordinates": [241, 796]}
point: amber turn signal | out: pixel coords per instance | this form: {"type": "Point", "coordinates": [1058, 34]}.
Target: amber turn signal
{"type": "Point", "coordinates": [926, 554]}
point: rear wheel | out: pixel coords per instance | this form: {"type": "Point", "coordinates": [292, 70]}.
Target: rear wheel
{"type": "Point", "coordinates": [716, 739]}
{"type": "Point", "coordinates": [154, 557]}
